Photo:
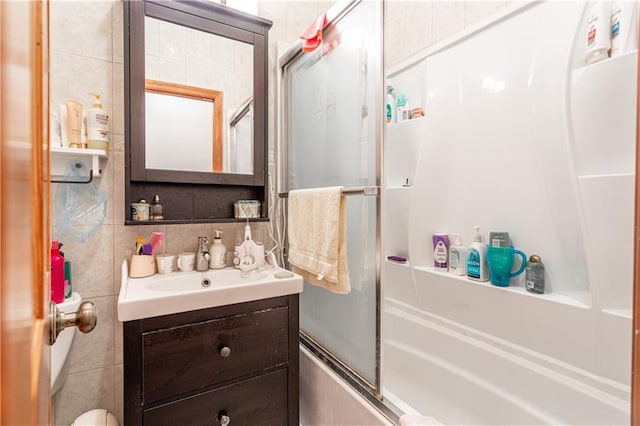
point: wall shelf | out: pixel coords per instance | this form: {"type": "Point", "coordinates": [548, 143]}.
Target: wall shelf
{"type": "Point", "coordinates": [89, 158]}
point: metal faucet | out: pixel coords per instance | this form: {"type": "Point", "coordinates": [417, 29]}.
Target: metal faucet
{"type": "Point", "coordinates": [202, 257]}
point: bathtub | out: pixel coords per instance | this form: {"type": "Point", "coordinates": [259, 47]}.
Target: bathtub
{"type": "Point", "coordinates": [479, 369]}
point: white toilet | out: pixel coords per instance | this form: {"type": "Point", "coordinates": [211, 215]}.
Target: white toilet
{"type": "Point", "coordinates": [59, 353]}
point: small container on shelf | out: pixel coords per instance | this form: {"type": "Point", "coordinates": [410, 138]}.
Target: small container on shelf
{"type": "Point", "coordinates": [246, 209]}
{"type": "Point", "coordinates": [140, 210]}
{"type": "Point", "coordinates": [156, 209]}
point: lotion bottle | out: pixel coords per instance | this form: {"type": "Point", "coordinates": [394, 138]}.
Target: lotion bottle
{"type": "Point", "coordinates": [217, 252]}
{"type": "Point", "coordinates": [97, 125]}
{"type": "Point", "coordinates": [477, 268]}
{"type": "Point", "coordinates": [598, 32]}
{"type": "Point", "coordinates": [457, 256]}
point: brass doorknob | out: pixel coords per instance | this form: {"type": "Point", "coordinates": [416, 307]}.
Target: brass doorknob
{"type": "Point", "coordinates": [85, 318]}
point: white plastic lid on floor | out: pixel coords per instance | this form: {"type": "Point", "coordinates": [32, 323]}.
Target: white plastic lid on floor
{"type": "Point", "coordinates": [97, 417]}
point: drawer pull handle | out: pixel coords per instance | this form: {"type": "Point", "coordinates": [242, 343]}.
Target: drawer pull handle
{"type": "Point", "coordinates": [225, 351]}
{"type": "Point", "coordinates": [223, 418]}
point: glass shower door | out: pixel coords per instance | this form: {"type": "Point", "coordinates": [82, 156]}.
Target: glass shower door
{"type": "Point", "coordinates": [331, 140]}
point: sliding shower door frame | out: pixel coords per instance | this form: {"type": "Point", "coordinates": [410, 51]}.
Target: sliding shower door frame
{"type": "Point", "coordinates": [370, 391]}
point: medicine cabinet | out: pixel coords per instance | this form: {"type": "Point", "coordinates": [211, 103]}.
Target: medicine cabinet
{"type": "Point", "coordinates": [200, 145]}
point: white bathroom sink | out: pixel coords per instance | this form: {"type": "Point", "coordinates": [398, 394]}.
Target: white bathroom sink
{"type": "Point", "coordinates": [163, 294]}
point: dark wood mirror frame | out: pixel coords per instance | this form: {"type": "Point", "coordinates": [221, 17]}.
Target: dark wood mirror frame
{"type": "Point", "coordinates": [190, 197]}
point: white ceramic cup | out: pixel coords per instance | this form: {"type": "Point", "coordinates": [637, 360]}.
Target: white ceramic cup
{"type": "Point", "coordinates": [186, 261]}
{"type": "Point", "coordinates": [165, 263]}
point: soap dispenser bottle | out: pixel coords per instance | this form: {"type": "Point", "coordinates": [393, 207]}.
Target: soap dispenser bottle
{"type": "Point", "coordinates": [477, 268]}
{"type": "Point", "coordinates": [218, 252]}
{"type": "Point", "coordinates": [97, 125]}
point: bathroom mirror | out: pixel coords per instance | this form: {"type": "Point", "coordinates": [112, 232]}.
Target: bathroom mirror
{"type": "Point", "coordinates": [207, 67]}
{"type": "Point", "coordinates": [195, 107]}
{"type": "Point", "coordinates": [197, 46]}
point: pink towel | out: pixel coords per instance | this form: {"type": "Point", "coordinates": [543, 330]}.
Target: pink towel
{"type": "Point", "coordinates": [312, 36]}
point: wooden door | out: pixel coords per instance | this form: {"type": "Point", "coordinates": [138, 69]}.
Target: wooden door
{"type": "Point", "coordinates": [24, 214]}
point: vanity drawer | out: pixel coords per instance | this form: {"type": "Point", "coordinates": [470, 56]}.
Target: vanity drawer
{"type": "Point", "coordinates": [258, 401]}
{"type": "Point", "coordinates": [189, 357]}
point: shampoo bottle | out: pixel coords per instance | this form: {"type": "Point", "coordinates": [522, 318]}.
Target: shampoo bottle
{"type": "Point", "coordinates": [97, 125]}
{"type": "Point", "coordinates": [391, 106]}
{"type": "Point", "coordinates": [624, 31]}
{"type": "Point", "coordinates": [57, 274]}
{"type": "Point", "coordinates": [477, 268]}
{"type": "Point", "coordinates": [598, 32]}
{"type": "Point", "coordinates": [457, 256]}
{"type": "Point", "coordinates": [218, 252]}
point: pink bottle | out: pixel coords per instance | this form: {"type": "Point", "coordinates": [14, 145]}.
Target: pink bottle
{"type": "Point", "coordinates": [57, 274]}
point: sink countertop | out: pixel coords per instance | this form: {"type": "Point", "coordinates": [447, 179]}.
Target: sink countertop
{"type": "Point", "coordinates": [163, 294]}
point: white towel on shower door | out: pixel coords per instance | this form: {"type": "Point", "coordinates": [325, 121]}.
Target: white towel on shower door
{"type": "Point", "coordinates": [317, 237]}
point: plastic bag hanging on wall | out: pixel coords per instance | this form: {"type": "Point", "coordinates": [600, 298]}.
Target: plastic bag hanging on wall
{"type": "Point", "coordinates": [78, 210]}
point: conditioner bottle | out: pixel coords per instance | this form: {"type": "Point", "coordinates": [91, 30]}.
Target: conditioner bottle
{"type": "Point", "coordinates": [624, 27]}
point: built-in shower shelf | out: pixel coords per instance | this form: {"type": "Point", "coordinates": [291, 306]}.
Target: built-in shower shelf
{"type": "Point", "coordinates": [513, 289]}
{"type": "Point", "coordinates": [412, 121]}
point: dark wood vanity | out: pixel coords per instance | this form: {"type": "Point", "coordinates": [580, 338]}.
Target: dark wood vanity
{"type": "Point", "coordinates": [236, 364]}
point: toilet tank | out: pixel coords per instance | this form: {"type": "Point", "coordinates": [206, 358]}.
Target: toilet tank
{"type": "Point", "coordinates": [62, 346]}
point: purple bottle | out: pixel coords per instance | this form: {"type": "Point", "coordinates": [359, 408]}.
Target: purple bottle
{"type": "Point", "coordinates": [440, 251]}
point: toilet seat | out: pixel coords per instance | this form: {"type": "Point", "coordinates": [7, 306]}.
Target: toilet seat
{"type": "Point", "coordinates": [98, 417]}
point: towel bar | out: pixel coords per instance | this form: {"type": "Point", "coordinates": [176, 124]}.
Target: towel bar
{"type": "Point", "coordinates": [373, 191]}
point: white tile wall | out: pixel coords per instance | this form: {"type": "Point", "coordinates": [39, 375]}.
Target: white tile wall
{"type": "Point", "coordinates": [414, 25]}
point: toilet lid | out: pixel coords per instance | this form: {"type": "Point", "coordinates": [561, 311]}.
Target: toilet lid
{"type": "Point", "coordinates": [97, 417]}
